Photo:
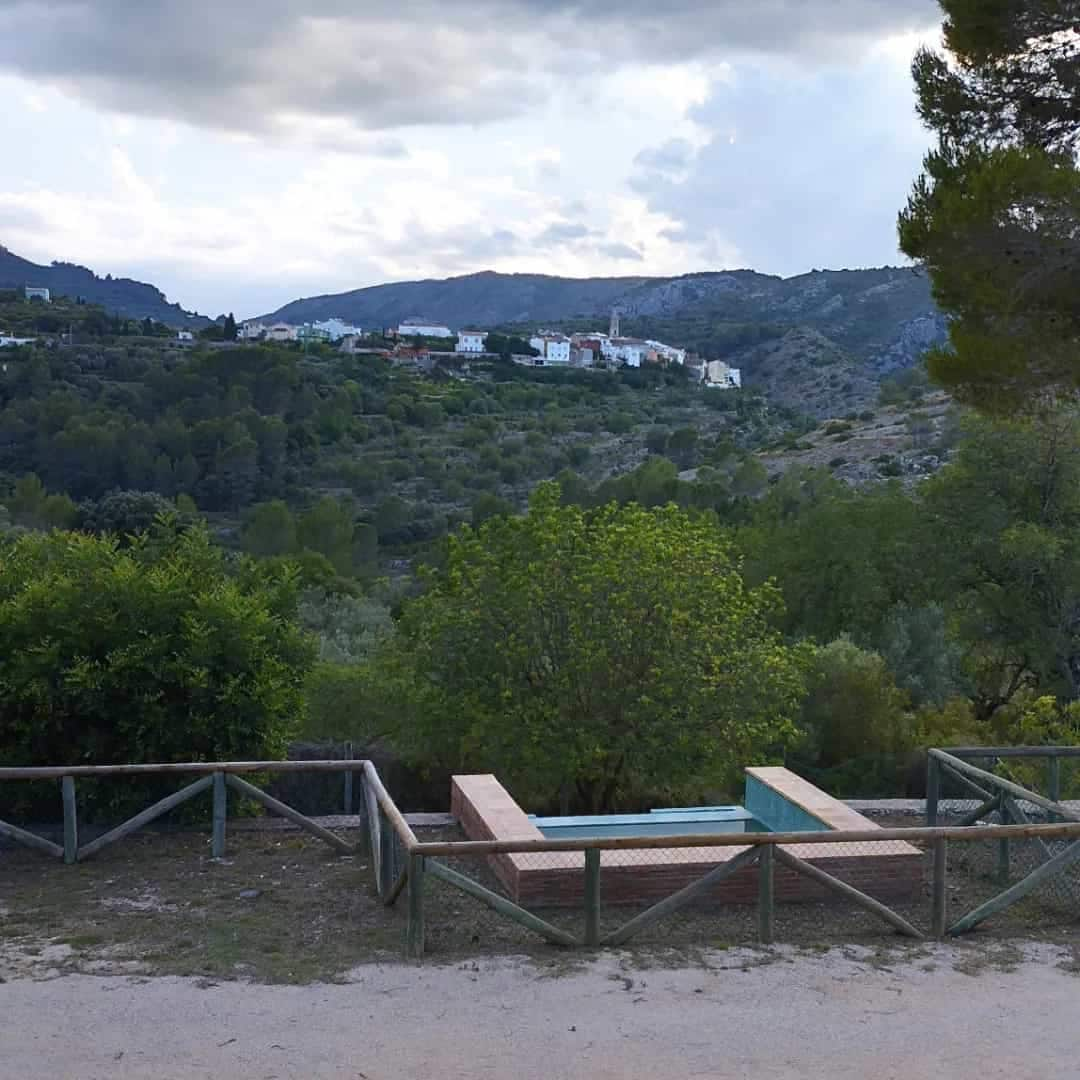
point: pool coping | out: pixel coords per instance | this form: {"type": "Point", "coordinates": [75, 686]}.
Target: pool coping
{"type": "Point", "coordinates": [486, 811]}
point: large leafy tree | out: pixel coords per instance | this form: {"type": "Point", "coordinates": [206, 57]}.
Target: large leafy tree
{"type": "Point", "coordinates": [163, 650]}
{"type": "Point", "coordinates": [995, 218]}
{"type": "Point", "coordinates": [1005, 517]}
{"type": "Point", "coordinates": [607, 654]}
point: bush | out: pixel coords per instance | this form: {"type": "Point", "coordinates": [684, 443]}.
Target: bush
{"type": "Point", "coordinates": [620, 423]}
{"type": "Point", "coordinates": [854, 707]}
{"type": "Point", "coordinates": [155, 652]}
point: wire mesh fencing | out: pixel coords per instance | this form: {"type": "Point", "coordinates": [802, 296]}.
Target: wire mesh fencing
{"type": "Point", "coordinates": [811, 891]}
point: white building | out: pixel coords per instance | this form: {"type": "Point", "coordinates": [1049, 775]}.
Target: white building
{"type": "Point", "coordinates": [280, 332]}
{"type": "Point", "coordinates": [554, 348]}
{"type": "Point", "coordinates": [336, 329]}
{"type": "Point", "coordinates": [34, 292]}
{"type": "Point", "coordinates": [251, 331]}
{"type": "Point", "coordinates": [417, 327]}
{"type": "Point", "coordinates": [184, 335]}
{"type": "Point", "coordinates": [668, 352]}
{"type": "Point", "coordinates": [718, 376]}
{"type": "Point", "coordinates": [629, 351]}
{"type": "Point", "coordinates": [7, 341]}
{"type": "Point", "coordinates": [470, 341]}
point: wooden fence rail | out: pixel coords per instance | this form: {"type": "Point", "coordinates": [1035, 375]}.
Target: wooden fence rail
{"type": "Point", "coordinates": [401, 864]}
{"type": "Point", "coordinates": [217, 776]}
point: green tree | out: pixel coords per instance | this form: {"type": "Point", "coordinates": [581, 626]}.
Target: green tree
{"type": "Point", "coordinates": [854, 715]}
{"type": "Point", "coordinates": [228, 330]}
{"type": "Point", "coordinates": [616, 653]}
{"type": "Point", "coordinates": [487, 506]}
{"type": "Point", "coordinates": [1004, 519]}
{"type": "Point", "coordinates": [125, 512]}
{"type": "Point", "coordinates": [269, 529]}
{"type": "Point", "coordinates": [328, 529]}
{"type": "Point", "coordinates": [154, 652]}
{"type": "Point", "coordinates": [995, 218]}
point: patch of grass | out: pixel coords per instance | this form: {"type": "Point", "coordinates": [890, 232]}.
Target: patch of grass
{"type": "Point", "coordinates": [83, 941]}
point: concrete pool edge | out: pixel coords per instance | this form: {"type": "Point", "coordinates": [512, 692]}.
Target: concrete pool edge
{"type": "Point", "coordinates": [486, 811]}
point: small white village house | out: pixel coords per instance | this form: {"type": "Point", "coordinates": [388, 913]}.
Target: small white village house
{"type": "Point", "coordinates": [553, 348]}
{"type": "Point", "coordinates": [37, 292]}
{"type": "Point", "coordinates": [419, 328]}
{"type": "Point", "coordinates": [470, 341]}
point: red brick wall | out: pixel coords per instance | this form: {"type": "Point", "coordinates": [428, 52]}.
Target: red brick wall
{"type": "Point", "coordinates": [889, 871]}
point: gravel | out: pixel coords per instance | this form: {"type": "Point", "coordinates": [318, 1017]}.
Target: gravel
{"type": "Point", "coordinates": [776, 1015]}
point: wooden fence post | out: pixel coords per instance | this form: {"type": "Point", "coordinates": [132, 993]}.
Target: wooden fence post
{"type": "Point", "coordinates": [387, 845]}
{"type": "Point", "coordinates": [933, 790]}
{"type": "Point", "coordinates": [940, 910]}
{"type": "Point", "coordinates": [1003, 845]}
{"type": "Point", "coordinates": [71, 821]}
{"type": "Point", "coordinates": [592, 897]}
{"type": "Point", "coordinates": [364, 847]}
{"type": "Point", "coordinates": [766, 882]}
{"type": "Point", "coordinates": [221, 810]}
{"type": "Point", "coordinates": [415, 930]}
{"type": "Point", "coordinates": [348, 781]}
{"type": "Point", "coordinates": [1053, 782]}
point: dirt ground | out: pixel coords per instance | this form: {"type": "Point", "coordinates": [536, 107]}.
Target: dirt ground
{"type": "Point", "coordinates": [284, 908]}
{"type": "Point", "coordinates": [773, 1014]}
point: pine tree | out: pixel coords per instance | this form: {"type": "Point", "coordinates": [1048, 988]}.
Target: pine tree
{"type": "Point", "coordinates": [995, 218]}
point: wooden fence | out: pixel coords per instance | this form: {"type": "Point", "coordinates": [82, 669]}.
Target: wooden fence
{"type": "Point", "coordinates": [214, 777]}
{"type": "Point", "coordinates": [401, 863]}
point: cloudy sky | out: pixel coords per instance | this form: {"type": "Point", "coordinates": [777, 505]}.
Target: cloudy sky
{"type": "Point", "coordinates": [241, 153]}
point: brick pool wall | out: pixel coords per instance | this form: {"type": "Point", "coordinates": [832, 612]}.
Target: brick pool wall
{"type": "Point", "coordinates": [889, 870]}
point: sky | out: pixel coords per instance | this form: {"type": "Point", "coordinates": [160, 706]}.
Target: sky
{"type": "Point", "coordinates": [242, 153]}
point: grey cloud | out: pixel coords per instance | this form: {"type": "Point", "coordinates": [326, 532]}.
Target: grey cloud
{"type": "Point", "coordinates": [805, 171]}
{"type": "Point", "coordinates": [262, 66]}
{"type": "Point", "coordinates": [454, 247]}
{"type": "Point", "coordinates": [670, 157]}
{"type": "Point", "coordinates": [19, 218]}
{"type": "Point", "coordinates": [621, 251]}
{"type": "Point", "coordinates": [560, 232]}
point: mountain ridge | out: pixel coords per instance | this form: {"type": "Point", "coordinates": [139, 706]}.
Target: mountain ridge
{"type": "Point", "coordinates": [122, 296]}
{"type": "Point", "coordinates": [885, 317]}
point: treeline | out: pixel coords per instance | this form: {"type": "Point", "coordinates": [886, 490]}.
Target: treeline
{"type": "Point", "coordinates": [618, 647]}
{"type": "Point", "coordinates": [948, 613]}
{"type": "Point", "coordinates": [234, 429]}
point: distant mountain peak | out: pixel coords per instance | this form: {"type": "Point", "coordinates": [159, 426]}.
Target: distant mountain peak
{"type": "Point", "coordinates": [124, 296]}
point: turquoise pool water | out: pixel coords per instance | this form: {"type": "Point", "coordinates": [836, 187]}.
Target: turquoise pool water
{"type": "Point", "coordinates": [679, 821]}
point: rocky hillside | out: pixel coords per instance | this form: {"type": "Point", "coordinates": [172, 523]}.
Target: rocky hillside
{"type": "Point", "coordinates": [123, 296]}
{"type": "Point", "coordinates": [806, 339]}
{"type": "Point", "coordinates": [480, 300]}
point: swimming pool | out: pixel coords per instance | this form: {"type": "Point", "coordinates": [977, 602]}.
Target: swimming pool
{"type": "Point", "coordinates": [678, 821]}
{"type": "Point", "coordinates": [774, 800]}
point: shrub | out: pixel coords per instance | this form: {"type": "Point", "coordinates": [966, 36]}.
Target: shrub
{"type": "Point", "coordinates": [155, 652]}
{"type": "Point", "coordinates": [854, 707]}
{"type": "Point", "coordinates": [620, 423]}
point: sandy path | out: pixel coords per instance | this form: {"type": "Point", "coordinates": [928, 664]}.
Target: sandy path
{"type": "Point", "coordinates": [805, 1017]}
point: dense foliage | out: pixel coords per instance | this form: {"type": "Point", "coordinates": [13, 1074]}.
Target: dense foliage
{"type": "Point", "coordinates": [996, 216]}
{"type": "Point", "coordinates": [611, 654]}
{"type": "Point", "coordinates": [164, 650]}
